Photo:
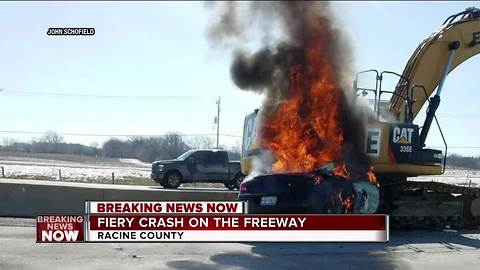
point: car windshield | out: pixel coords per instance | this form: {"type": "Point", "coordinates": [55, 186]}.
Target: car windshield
{"type": "Point", "coordinates": [185, 155]}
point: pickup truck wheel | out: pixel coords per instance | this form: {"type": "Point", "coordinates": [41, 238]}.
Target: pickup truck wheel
{"type": "Point", "coordinates": [237, 180]}
{"type": "Point", "coordinates": [172, 180]}
{"type": "Point", "coordinates": [229, 185]}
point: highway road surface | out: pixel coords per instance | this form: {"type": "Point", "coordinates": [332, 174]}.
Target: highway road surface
{"type": "Point", "coordinates": [406, 250]}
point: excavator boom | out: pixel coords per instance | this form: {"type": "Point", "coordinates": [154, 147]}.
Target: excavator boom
{"type": "Point", "coordinates": [429, 64]}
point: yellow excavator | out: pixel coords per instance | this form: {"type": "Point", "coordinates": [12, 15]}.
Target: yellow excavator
{"type": "Point", "coordinates": [396, 146]}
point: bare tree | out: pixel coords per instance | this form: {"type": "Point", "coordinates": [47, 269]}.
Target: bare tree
{"type": "Point", "coordinates": [201, 142]}
{"type": "Point", "coordinates": [173, 146]}
{"type": "Point", "coordinates": [51, 137]}
{"type": "Point", "coordinates": [8, 141]}
{"type": "Point", "coordinates": [115, 148]}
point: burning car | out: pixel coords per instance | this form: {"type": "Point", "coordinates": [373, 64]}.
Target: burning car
{"type": "Point", "coordinates": [323, 191]}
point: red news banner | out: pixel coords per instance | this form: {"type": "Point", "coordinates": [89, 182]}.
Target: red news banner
{"type": "Point", "coordinates": [207, 222]}
{"type": "Point", "coordinates": [60, 228]}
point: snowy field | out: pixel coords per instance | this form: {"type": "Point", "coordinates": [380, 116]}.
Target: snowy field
{"type": "Point", "coordinates": [82, 169]}
{"type": "Point", "coordinates": [457, 176]}
{"type": "Point", "coordinates": [132, 171]}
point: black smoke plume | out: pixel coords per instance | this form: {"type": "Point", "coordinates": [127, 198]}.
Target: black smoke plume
{"type": "Point", "coordinates": [268, 39]}
{"type": "Point", "coordinates": [296, 23]}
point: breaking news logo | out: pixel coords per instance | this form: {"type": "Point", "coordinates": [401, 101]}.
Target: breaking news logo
{"type": "Point", "coordinates": [154, 221]}
{"type": "Point", "coordinates": [60, 228]}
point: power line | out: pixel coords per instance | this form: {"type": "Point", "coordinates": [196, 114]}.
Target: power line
{"type": "Point", "coordinates": [118, 135]}
{"type": "Point", "coordinates": [93, 96]}
{"type": "Point", "coordinates": [119, 97]}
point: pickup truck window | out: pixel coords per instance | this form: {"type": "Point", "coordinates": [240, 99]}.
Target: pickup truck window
{"type": "Point", "coordinates": [185, 155]}
{"type": "Point", "coordinates": [201, 157]}
{"type": "Point", "coordinates": [217, 159]}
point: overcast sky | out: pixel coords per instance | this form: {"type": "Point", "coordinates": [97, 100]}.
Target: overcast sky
{"type": "Point", "coordinates": [159, 49]}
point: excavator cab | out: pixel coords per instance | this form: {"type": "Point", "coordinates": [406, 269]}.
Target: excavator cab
{"type": "Point", "coordinates": [394, 145]}
{"type": "Point", "coordinates": [379, 104]}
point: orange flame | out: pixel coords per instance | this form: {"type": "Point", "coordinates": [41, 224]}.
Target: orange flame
{"type": "Point", "coordinates": [341, 171]}
{"type": "Point", "coordinates": [304, 132]}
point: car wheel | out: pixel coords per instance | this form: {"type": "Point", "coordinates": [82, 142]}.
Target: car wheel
{"type": "Point", "coordinates": [229, 185]}
{"type": "Point", "coordinates": [367, 198]}
{"type": "Point", "coordinates": [237, 180]}
{"type": "Point", "coordinates": [173, 179]}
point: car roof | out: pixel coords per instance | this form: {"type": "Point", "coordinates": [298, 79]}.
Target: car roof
{"type": "Point", "coordinates": [211, 150]}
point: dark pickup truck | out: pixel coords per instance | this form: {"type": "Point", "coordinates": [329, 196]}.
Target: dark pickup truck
{"type": "Point", "coordinates": [209, 166]}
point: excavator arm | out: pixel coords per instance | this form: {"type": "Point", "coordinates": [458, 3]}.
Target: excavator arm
{"type": "Point", "coordinates": [457, 40]}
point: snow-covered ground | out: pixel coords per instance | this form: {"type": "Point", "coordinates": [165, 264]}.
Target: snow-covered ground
{"type": "Point", "coordinates": [90, 169]}
{"type": "Point", "coordinates": [134, 162]}
{"type": "Point", "coordinates": [30, 171]}
{"type": "Point", "coordinates": [456, 176]}
{"type": "Point", "coordinates": [83, 170]}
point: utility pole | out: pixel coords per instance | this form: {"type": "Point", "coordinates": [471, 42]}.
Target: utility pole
{"type": "Point", "coordinates": [218, 120]}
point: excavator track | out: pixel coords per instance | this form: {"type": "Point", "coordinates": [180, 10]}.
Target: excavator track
{"type": "Point", "coordinates": [435, 205]}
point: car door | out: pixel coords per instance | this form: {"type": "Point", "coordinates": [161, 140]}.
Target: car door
{"type": "Point", "coordinates": [199, 165]}
{"type": "Point", "coordinates": [217, 165]}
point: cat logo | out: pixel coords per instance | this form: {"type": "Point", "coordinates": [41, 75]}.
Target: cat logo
{"type": "Point", "coordinates": [402, 135]}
